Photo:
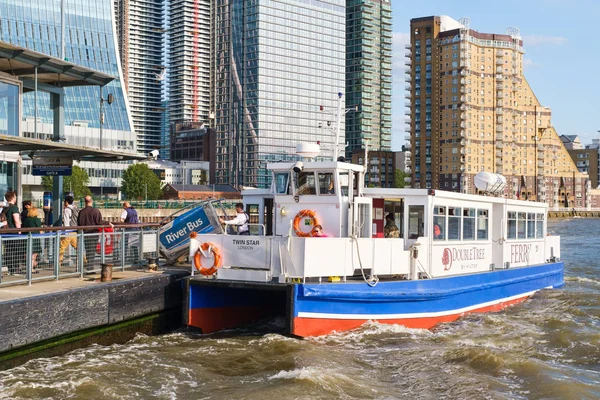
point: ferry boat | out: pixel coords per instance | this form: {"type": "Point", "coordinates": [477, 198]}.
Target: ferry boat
{"type": "Point", "coordinates": [451, 254]}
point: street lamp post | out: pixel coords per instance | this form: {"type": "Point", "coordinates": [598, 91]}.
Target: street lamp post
{"type": "Point", "coordinates": [146, 193]}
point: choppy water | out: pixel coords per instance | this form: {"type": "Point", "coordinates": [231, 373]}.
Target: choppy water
{"type": "Point", "coordinates": [547, 347]}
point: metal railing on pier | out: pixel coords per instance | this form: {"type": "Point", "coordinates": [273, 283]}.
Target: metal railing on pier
{"type": "Point", "coordinates": [32, 254]}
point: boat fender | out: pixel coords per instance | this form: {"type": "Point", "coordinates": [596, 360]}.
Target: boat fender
{"type": "Point", "coordinates": [305, 213]}
{"type": "Point", "coordinates": [198, 259]}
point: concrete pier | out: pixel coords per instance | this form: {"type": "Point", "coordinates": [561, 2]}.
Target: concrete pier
{"type": "Point", "coordinates": [61, 315]}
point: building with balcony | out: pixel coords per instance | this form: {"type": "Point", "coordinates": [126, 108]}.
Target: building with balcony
{"type": "Point", "coordinates": [275, 64]}
{"type": "Point", "coordinates": [380, 169]}
{"type": "Point", "coordinates": [190, 23]}
{"type": "Point", "coordinates": [471, 109]}
{"type": "Point", "coordinates": [588, 160]}
{"type": "Point", "coordinates": [140, 35]}
{"type": "Point", "coordinates": [368, 74]}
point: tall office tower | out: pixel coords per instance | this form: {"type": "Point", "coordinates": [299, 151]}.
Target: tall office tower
{"type": "Point", "coordinates": [140, 32]}
{"type": "Point", "coordinates": [368, 74]}
{"type": "Point", "coordinates": [276, 64]}
{"type": "Point", "coordinates": [89, 40]}
{"type": "Point", "coordinates": [472, 110]}
{"type": "Point", "coordinates": [189, 60]}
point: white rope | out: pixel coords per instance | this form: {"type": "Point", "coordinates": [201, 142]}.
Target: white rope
{"type": "Point", "coordinates": [362, 271]}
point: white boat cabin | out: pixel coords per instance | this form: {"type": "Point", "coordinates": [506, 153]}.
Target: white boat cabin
{"type": "Point", "coordinates": [439, 233]}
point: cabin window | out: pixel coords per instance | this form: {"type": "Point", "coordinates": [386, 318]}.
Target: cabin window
{"type": "Point", "coordinates": [482, 224]}
{"type": "Point", "coordinates": [439, 220]}
{"type": "Point", "coordinates": [469, 224]}
{"type": "Point", "coordinates": [306, 183]}
{"type": "Point", "coordinates": [521, 225]}
{"type": "Point", "coordinates": [344, 183]}
{"type": "Point", "coordinates": [326, 185]}
{"type": "Point", "coordinates": [282, 183]}
{"type": "Point", "coordinates": [416, 221]}
{"type": "Point", "coordinates": [530, 225]}
{"type": "Point", "coordinates": [512, 225]}
{"type": "Point", "coordinates": [454, 225]}
{"type": "Point", "coordinates": [539, 222]}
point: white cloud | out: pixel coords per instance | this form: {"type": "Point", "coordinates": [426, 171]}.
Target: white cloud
{"type": "Point", "coordinates": [529, 63]}
{"type": "Point", "coordinates": [540, 40]}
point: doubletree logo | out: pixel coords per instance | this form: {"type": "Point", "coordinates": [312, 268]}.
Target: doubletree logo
{"type": "Point", "coordinates": [447, 259]}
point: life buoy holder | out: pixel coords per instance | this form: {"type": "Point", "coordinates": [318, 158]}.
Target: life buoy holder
{"type": "Point", "coordinates": [299, 217]}
{"type": "Point", "coordinates": [198, 259]}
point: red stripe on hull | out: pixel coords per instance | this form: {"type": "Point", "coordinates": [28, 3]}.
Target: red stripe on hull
{"type": "Point", "coordinates": [304, 327]}
{"type": "Point", "coordinates": [218, 318]}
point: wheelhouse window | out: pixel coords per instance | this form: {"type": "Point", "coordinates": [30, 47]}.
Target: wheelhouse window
{"type": "Point", "coordinates": [326, 183]}
{"type": "Point", "coordinates": [306, 183]}
{"type": "Point", "coordinates": [281, 182]}
{"type": "Point", "coordinates": [344, 183]}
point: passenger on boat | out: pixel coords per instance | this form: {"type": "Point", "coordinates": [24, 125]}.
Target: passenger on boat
{"type": "Point", "coordinates": [317, 231]}
{"type": "Point", "coordinates": [437, 232]}
{"type": "Point", "coordinates": [241, 220]}
{"type": "Point", "coordinates": [390, 230]}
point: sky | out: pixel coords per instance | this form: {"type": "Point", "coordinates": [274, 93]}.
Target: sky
{"type": "Point", "coordinates": [561, 61]}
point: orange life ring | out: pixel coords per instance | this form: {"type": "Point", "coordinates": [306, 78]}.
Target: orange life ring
{"type": "Point", "coordinates": [198, 259]}
{"type": "Point", "coordinates": [299, 217]}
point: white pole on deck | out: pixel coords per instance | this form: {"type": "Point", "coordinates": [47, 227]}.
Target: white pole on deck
{"type": "Point", "coordinates": [337, 128]}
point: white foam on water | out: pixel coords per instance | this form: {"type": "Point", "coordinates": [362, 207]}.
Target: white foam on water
{"type": "Point", "coordinates": [371, 328]}
{"type": "Point", "coordinates": [581, 279]}
{"type": "Point", "coordinates": [270, 338]}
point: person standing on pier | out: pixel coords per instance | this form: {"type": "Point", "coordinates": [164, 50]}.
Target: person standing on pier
{"type": "Point", "coordinates": [240, 220]}
{"type": "Point", "coordinates": [90, 216]}
{"type": "Point", "coordinates": [70, 216]}
{"type": "Point", "coordinates": [130, 216]}
{"type": "Point", "coordinates": [14, 249]}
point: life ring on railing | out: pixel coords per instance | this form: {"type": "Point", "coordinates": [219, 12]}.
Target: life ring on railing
{"type": "Point", "coordinates": [198, 259]}
{"type": "Point", "coordinates": [299, 217]}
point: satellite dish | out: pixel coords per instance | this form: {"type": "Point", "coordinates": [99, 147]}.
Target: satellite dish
{"type": "Point", "coordinates": [489, 182]}
{"type": "Point", "coordinates": [308, 150]}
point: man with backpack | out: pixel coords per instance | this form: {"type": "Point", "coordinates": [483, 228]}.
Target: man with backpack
{"type": "Point", "coordinates": [70, 215]}
{"type": "Point", "coordinates": [241, 220]}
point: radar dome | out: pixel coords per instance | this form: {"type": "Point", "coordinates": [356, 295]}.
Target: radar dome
{"type": "Point", "coordinates": [308, 150]}
{"type": "Point", "coordinates": [490, 182]}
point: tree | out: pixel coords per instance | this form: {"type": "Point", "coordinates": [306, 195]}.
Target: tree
{"type": "Point", "coordinates": [77, 183]}
{"type": "Point", "coordinates": [399, 176]}
{"type": "Point", "coordinates": [140, 182]}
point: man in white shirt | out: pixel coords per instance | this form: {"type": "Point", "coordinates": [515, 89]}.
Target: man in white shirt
{"type": "Point", "coordinates": [241, 220]}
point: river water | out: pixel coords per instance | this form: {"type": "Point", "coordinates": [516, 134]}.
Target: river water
{"type": "Point", "coordinates": [545, 348]}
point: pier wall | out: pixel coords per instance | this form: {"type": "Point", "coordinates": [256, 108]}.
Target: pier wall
{"type": "Point", "coordinates": [153, 301]}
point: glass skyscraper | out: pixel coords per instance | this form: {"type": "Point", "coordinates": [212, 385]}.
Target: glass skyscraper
{"type": "Point", "coordinates": [276, 63]}
{"type": "Point", "coordinates": [140, 34]}
{"type": "Point", "coordinates": [369, 74]}
{"type": "Point", "coordinates": [89, 40]}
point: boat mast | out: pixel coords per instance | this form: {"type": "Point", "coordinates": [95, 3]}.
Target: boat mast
{"type": "Point", "coordinates": [337, 128]}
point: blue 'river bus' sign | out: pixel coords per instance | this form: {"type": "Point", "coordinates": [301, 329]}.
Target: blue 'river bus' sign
{"type": "Point", "coordinates": [175, 235]}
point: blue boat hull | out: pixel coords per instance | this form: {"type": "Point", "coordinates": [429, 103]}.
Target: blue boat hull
{"type": "Point", "coordinates": [319, 309]}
